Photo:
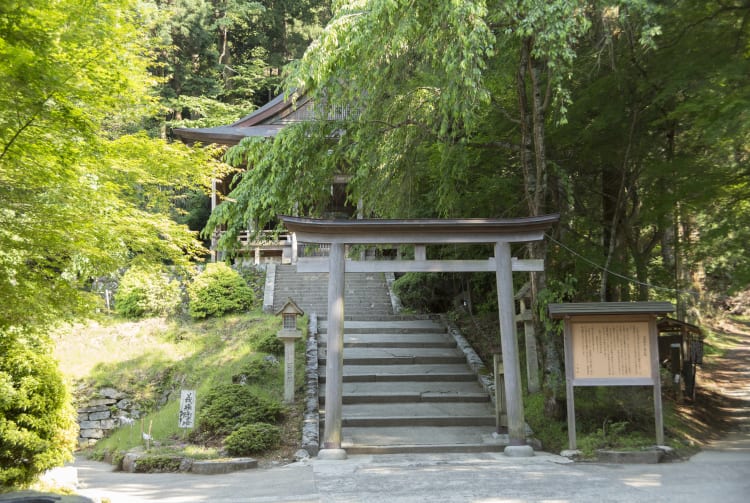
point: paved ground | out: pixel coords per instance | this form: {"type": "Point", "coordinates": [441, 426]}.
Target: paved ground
{"type": "Point", "coordinates": [711, 476]}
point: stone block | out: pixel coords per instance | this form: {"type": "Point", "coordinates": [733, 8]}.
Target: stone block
{"type": "Point", "coordinates": [100, 401]}
{"type": "Point", "coordinates": [94, 416]}
{"type": "Point", "coordinates": [92, 433]}
{"type": "Point", "coordinates": [108, 424]}
{"type": "Point", "coordinates": [111, 393]}
{"type": "Point", "coordinates": [123, 404]}
{"type": "Point", "coordinates": [93, 408]}
{"type": "Point", "coordinates": [648, 456]}
{"type": "Point", "coordinates": [90, 425]}
{"type": "Point", "coordinates": [223, 466]}
{"type": "Point", "coordinates": [129, 461]}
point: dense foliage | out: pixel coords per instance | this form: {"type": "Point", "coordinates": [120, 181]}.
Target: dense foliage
{"type": "Point", "coordinates": [79, 198]}
{"type": "Point", "coordinates": [37, 421]}
{"type": "Point", "coordinates": [147, 292]}
{"type": "Point", "coordinates": [219, 290]}
{"type": "Point", "coordinates": [629, 118]}
{"type": "Point", "coordinates": [82, 193]}
{"type": "Point", "coordinates": [219, 59]}
{"type": "Point", "coordinates": [227, 407]}
{"type": "Point", "coordinates": [252, 439]}
{"type": "Point", "coordinates": [482, 108]}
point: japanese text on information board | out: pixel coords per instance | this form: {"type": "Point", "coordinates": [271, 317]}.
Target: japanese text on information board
{"type": "Point", "coordinates": [604, 350]}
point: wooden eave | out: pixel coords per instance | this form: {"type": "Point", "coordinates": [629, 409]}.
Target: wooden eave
{"type": "Point", "coordinates": [274, 111]}
{"type": "Point", "coordinates": [226, 135]}
{"type": "Point", "coordinates": [671, 325]}
{"type": "Point", "coordinates": [265, 122]}
{"type": "Point", "coordinates": [560, 311]}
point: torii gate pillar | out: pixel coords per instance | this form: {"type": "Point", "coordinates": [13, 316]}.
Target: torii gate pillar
{"type": "Point", "coordinates": [334, 355]}
{"type": "Point", "coordinates": [509, 342]}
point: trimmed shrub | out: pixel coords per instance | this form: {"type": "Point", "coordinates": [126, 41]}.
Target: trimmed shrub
{"type": "Point", "coordinates": [158, 464]}
{"type": "Point", "coordinates": [269, 343]}
{"type": "Point", "coordinates": [228, 407]}
{"type": "Point", "coordinates": [252, 439]}
{"type": "Point", "coordinates": [37, 421]}
{"type": "Point", "coordinates": [219, 290]}
{"type": "Point", "coordinates": [147, 291]}
{"type": "Point", "coordinates": [258, 369]}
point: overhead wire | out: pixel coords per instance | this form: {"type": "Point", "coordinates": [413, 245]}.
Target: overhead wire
{"type": "Point", "coordinates": [618, 275]}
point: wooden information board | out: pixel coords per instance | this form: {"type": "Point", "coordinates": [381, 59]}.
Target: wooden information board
{"type": "Point", "coordinates": [610, 350]}
{"type": "Point", "coordinates": [611, 344]}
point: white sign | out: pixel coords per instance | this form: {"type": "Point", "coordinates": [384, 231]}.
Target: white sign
{"type": "Point", "coordinates": [187, 408]}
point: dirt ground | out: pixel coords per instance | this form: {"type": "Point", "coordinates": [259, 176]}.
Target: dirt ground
{"type": "Point", "coordinates": [722, 404]}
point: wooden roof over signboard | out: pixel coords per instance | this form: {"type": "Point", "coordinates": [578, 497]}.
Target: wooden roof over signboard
{"type": "Point", "coordinates": [559, 311]}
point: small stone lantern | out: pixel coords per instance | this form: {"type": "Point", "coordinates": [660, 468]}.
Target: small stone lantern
{"type": "Point", "coordinates": [289, 334]}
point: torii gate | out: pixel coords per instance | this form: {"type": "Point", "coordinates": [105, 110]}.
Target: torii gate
{"type": "Point", "coordinates": [420, 232]}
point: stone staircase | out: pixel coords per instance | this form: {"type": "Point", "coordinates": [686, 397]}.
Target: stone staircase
{"type": "Point", "coordinates": [366, 293]}
{"type": "Point", "coordinates": [408, 388]}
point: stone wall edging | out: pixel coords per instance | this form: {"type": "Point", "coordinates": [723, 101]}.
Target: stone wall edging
{"type": "Point", "coordinates": [105, 411]}
{"type": "Point", "coordinates": [311, 424]}
{"type": "Point", "coordinates": [484, 376]}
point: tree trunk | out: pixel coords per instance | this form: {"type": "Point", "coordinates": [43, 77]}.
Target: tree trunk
{"type": "Point", "coordinates": [533, 164]}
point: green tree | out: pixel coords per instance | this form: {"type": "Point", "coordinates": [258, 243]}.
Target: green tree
{"type": "Point", "coordinates": [221, 58]}
{"type": "Point", "coordinates": [37, 420]}
{"type": "Point", "coordinates": [77, 202]}
{"type": "Point", "coordinates": [659, 137]}
{"type": "Point", "coordinates": [78, 198]}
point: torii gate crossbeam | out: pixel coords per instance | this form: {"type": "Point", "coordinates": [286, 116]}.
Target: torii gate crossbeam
{"type": "Point", "coordinates": [420, 232]}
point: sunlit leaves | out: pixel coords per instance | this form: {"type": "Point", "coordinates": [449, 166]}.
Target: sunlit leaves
{"type": "Point", "coordinates": [79, 200]}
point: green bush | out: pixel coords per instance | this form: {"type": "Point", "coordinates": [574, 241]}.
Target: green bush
{"type": "Point", "coordinates": [158, 464]}
{"type": "Point", "coordinates": [37, 421]}
{"type": "Point", "coordinates": [219, 290]}
{"type": "Point", "coordinates": [269, 343]}
{"type": "Point", "coordinates": [146, 291]}
{"type": "Point", "coordinates": [228, 407]}
{"type": "Point", "coordinates": [252, 438]}
{"type": "Point", "coordinates": [258, 369]}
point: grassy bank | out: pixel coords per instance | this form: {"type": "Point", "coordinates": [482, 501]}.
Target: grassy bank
{"type": "Point", "coordinates": [153, 359]}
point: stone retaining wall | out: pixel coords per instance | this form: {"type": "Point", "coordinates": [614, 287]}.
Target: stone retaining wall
{"type": "Point", "coordinates": [106, 410]}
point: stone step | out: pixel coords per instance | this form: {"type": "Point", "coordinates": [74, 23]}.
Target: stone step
{"type": "Point", "coordinates": [396, 356]}
{"type": "Point", "coordinates": [394, 341]}
{"type": "Point", "coordinates": [428, 410]}
{"type": "Point", "coordinates": [396, 440]}
{"type": "Point", "coordinates": [411, 392]}
{"type": "Point", "coordinates": [386, 327]}
{"type": "Point", "coordinates": [365, 293]}
{"type": "Point", "coordinates": [397, 373]}
{"type": "Point", "coordinates": [407, 386]}
{"type": "Point", "coordinates": [409, 397]}
{"type": "Point", "coordinates": [416, 421]}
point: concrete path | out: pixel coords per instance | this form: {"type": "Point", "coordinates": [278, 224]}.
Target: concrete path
{"type": "Point", "coordinates": [712, 476]}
